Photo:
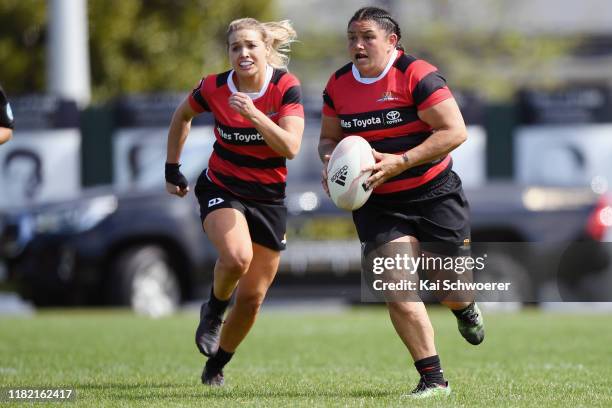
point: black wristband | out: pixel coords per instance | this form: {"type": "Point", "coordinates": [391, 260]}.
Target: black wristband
{"type": "Point", "coordinates": [174, 175]}
{"type": "Point", "coordinates": [6, 116]}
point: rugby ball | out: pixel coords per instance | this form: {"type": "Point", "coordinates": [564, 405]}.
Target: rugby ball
{"type": "Point", "coordinates": [345, 179]}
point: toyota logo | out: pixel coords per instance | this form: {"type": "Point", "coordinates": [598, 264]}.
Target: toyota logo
{"type": "Point", "coordinates": [393, 115]}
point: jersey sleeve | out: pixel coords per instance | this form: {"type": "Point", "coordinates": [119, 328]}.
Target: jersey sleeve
{"type": "Point", "coordinates": [291, 99]}
{"type": "Point", "coordinates": [197, 100]}
{"type": "Point", "coordinates": [328, 103]}
{"type": "Point", "coordinates": [426, 85]}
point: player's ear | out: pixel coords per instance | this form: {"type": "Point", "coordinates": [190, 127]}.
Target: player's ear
{"type": "Point", "coordinates": [392, 40]}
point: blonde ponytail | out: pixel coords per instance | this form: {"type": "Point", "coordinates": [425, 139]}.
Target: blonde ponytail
{"type": "Point", "coordinates": [278, 35]}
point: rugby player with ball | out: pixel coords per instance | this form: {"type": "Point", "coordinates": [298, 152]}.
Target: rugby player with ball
{"type": "Point", "coordinates": [403, 108]}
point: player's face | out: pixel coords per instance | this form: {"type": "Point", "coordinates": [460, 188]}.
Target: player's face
{"type": "Point", "coordinates": [248, 53]}
{"type": "Point", "coordinates": [369, 47]}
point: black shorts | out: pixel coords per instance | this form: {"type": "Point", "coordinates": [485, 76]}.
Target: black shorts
{"type": "Point", "coordinates": [267, 220]}
{"type": "Point", "coordinates": [438, 215]}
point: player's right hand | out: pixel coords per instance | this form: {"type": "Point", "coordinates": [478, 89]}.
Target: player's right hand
{"type": "Point", "coordinates": [324, 174]}
{"type": "Point", "coordinates": [176, 182]}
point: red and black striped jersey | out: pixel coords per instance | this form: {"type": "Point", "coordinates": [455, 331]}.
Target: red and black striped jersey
{"type": "Point", "coordinates": [384, 111]}
{"type": "Point", "coordinates": [241, 161]}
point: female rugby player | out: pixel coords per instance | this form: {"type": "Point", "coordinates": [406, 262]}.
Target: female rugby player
{"type": "Point", "coordinates": [416, 196]}
{"type": "Point", "coordinates": [259, 121]}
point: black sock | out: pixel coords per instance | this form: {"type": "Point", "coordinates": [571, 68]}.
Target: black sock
{"type": "Point", "coordinates": [459, 313]}
{"type": "Point", "coordinates": [430, 369]}
{"type": "Point", "coordinates": [216, 306]}
{"type": "Point", "coordinates": [219, 360]}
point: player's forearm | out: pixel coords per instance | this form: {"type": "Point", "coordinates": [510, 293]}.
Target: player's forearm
{"type": "Point", "coordinates": [283, 142]}
{"type": "Point", "coordinates": [438, 145]}
{"type": "Point", "coordinates": [326, 146]}
{"type": "Point", "coordinates": [177, 135]}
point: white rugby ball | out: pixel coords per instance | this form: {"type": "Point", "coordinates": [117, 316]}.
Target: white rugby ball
{"type": "Point", "coordinates": [345, 179]}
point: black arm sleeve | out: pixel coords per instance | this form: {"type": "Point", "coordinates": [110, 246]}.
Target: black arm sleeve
{"type": "Point", "coordinates": [6, 115]}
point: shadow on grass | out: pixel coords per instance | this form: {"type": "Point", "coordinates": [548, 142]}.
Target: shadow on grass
{"type": "Point", "coordinates": [219, 394]}
{"type": "Point", "coordinates": [127, 386]}
{"type": "Point", "coordinates": [185, 390]}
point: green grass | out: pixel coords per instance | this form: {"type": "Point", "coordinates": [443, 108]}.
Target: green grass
{"type": "Point", "coordinates": [113, 358]}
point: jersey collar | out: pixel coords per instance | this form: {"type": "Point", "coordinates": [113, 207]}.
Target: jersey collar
{"type": "Point", "coordinates": [252, 95]}
{"type": "Point", "coordinates": [358, 77]}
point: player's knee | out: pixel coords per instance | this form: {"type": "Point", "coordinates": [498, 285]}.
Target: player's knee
{"type": "Point", "coordinates": [250, 303]}
{"type": "Point", "coordinates": [236, 262]}
{"type": "Point", "coordinates": [410, 311]}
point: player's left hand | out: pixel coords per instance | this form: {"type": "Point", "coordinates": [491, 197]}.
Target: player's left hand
{"type": "Point", "coordinates": [387, 165]}
{"type": "Point", "coordinates": [241, 103]}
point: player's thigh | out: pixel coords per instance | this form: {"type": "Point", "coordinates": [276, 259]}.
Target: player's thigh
{"type": "Point", "coordinates": [228, 230]}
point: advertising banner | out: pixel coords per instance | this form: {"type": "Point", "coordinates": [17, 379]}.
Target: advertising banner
{"type": "Point", "coordinates": [42, 162]}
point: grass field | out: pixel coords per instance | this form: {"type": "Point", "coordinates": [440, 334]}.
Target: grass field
{"type": "Point", "coordinates": [353, 358]}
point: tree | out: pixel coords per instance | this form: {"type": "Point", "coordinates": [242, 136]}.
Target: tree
{"type": "Point", "coordinates": [22, 39]}
{"type": "Point", "coordinates": [156, 45]}
{"type": "Point", "coordinates": [488, 53]}
{"type": "Point", "coordinates": [493, 64]}
{"type": "Point", "coordinates": [135, 45]}
{"type": "Point", "coordinates": [139, 46]}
